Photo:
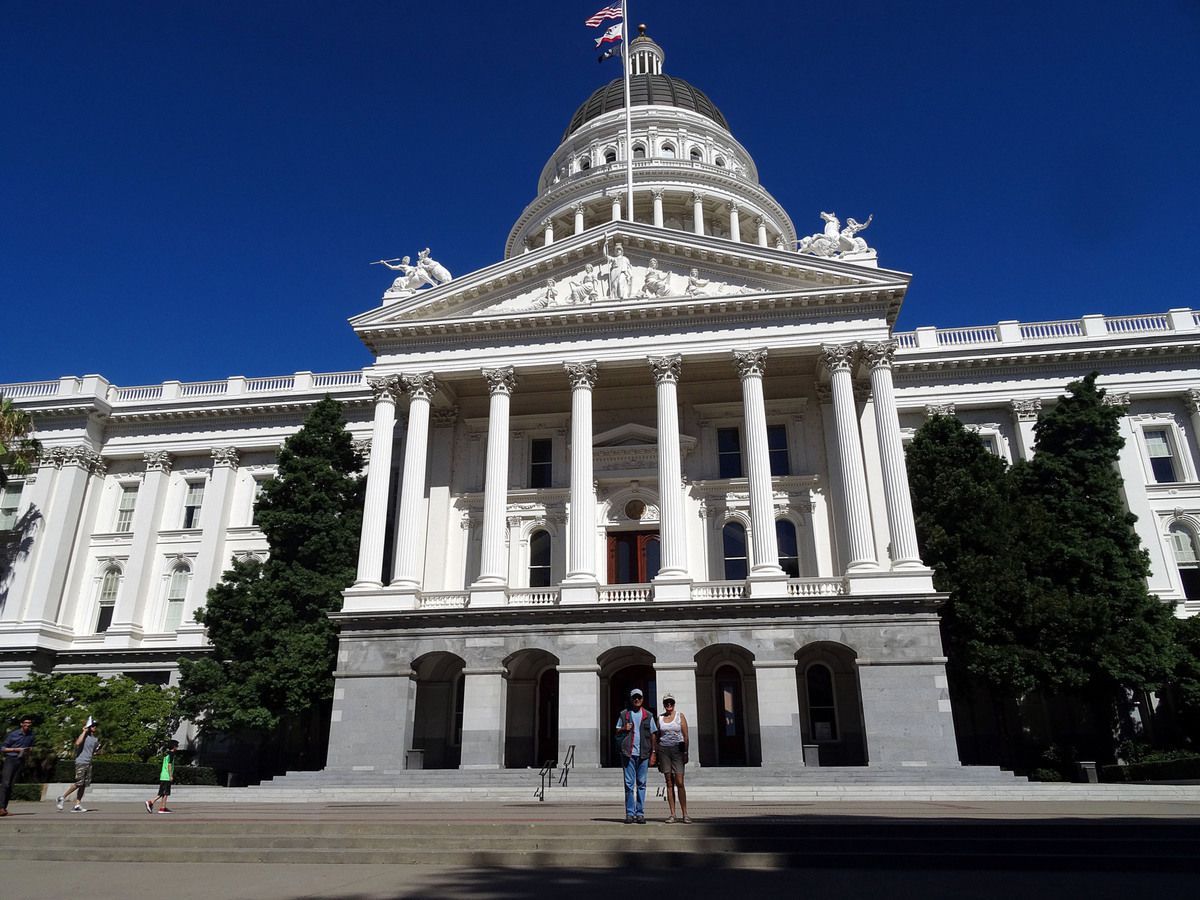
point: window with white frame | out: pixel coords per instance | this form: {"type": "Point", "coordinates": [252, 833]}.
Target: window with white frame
{"type": "Point", "coordinates": [10, 504]}
{"type": "Point", "coordinates": [668, 151]}
{"type": "Point", "coordinates": [259, 484]}
{"type": "Point", "coordinates": [729, 452]}
{"type": "Point", "coordinates": [125, 506]}
{"type": "Point", "coordinates": [610, 156]}
{"type": "Point", "coordinates": [695, 155]}
{"type": "Point", "coordinates": [584, 164]}
{"type": "Point", "coordinates": [733, 540]}
{"type": "Point", "coordinates": [789, 547]}
{"type": "Point", "coordinates": [109, 585]}
{"type": "Point", "coordinates": [1187, 558]}
{"type": "Point", "coordinates": [541, 462]}
{"type": "Point", "coordinates": [1160, 448]}
{"type": "Point", "coordinates": [639, 151]}
{"type": "Point", "coordinates": [539, 559]}
{"type": "Point", "coordinates": [177, 589]}
{"type": "Point", "coordinates": [777, 450]}
{"type": "Point", "coordinates": [192, 504]}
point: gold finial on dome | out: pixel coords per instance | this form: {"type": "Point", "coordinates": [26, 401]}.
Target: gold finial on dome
{"type": "Point", "coordinates": [645, 55]}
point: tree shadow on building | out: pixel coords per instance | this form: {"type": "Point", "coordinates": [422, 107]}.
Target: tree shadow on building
{"type": "Point", "coordinates": [15, 546]}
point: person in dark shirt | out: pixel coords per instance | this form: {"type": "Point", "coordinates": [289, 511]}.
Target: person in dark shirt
{"type": "Point", "coordinates": [16, 747]}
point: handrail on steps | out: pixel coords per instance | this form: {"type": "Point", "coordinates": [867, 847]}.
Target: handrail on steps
{"type": "Point", "coordinates": [547, 774]}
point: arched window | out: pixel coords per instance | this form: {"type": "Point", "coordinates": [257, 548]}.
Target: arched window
{"type": "Point", "coordinates": [733, 536]}
{"type": "Point", "coordinates": [539, 559]}
{"type": "Point", "coordinates": [695, 155]}
{"type": "Point", "coordinates": [610, 156]}
{"type": "Point", "coordinates": [668, 151]}
{"type": "Point", "coordinates": [584, 164]}
{"type": "Point", "coordinates": [176, 595]}
{"type": "Point", "coordinates": [822, 711]}
{"type": "Point", "coordinates": [639, 151]}
{"type": "Point", "coordinates": [789, 550]}
{"type": "Point", "coordinates": [109, 585]}
{"type": "Point", "coordinates": [720, 162]}
{"type": "Point", "coordinates": [1187, 558]}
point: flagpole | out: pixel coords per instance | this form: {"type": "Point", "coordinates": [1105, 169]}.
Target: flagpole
{"type": "Point", "coordinates": [628, 114]}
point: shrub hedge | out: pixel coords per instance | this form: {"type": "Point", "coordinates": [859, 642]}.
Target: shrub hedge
{"type": "Point", "coordinates": [27, 792]}
{"type": "Point", "coordinates": [1186, 769]}
{"type": "Point", "coordinates": [106, 771]}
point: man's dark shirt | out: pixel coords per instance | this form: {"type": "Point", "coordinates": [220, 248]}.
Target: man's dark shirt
{"type": "Point", "coordinates": [17, 738]}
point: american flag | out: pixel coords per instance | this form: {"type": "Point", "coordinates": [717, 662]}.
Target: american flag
{"type": "Point", "coordinates": [609, 12]}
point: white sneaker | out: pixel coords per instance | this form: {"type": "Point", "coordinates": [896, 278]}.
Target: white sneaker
{"type": "Point", "coordinates": [79, 808]}
{"type": "Point", "coordinates": [59, 803]}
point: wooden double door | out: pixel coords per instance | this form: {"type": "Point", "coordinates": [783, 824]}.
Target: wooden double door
{"type": "Point", "coordinates": [634, 557]}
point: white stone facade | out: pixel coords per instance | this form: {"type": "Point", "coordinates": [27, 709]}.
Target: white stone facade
{"type": "Point", "coordinates": [679, 465]}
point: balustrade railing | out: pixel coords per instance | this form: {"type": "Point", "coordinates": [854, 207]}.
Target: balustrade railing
{"type": "Point", "coordinates": [141, 392]}
{"type": "Point", "coordinates": [29, 389]}
{"type": "Point", "coordinates": [203, 388]}
{"type": "Point", "coordinates": [443, 600]}
{"type": "Point", "coordinates": [817, 587]}
{"type": "Point", "coordinates": [718, 590]}
{"type": "Point", "coordinates": [1136, 324]}
{"type": "Point", "coordinates": [337, 379]}
{"type": "Point", "coordinates": [533, 597]}
{"type": "Point", "coordinates": [273, 383]}
{"type": "Point", "coordinates": [626, 593]}
{"type": "Point", "coordinates": [1038, 331]}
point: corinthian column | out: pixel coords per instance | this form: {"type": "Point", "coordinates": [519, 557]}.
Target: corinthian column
{"type": "Point", "coordinates": [581, 563]}
{"type": "Point", "coordinates": [147, 518]}
{"type": "Point", "coordinates": [901, 526]}
{"type": "Point", "coordinates": [547, 232]}
{"type": "Point", "coordinates": [735, 222]}
{"type": "Point", "coordinates": [698, 212]}
{"type": "Point", "coordinates": [666, 370]}
{"type": "Point", "coordinates": [658, 209]}
{"type": "Point", "coordinates": [579, 218]}
{"type": "Point", "coordinates": [379, 470]}
{"type": "Point", "coordinates": [493, 569]}
{"type": "Point", "coordinates": [839, 360]}
{"type": "Point", "coordinates": [750, 367]}
{"type": "Point", "coordinates": [762, 231]}
{"type": "Point", "coordinates": [409, 525]}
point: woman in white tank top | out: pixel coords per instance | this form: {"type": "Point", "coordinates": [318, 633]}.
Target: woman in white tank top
{"type": "Point", "coordinates": [673, 754]}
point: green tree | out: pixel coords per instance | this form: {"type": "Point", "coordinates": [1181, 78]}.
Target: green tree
{"type": "Point", "coordinates": [962, 505]}
{"type": "Point", "coordinates": [1186, 681]}
{"type": "Point", "coordinates": [135, 719]}
{"type": "Point", "coordinates": [274, 646]}
{"type": "Point", "coordinates": [1095, 619]}
{"type": "Point", "coordinates": [18, 447]}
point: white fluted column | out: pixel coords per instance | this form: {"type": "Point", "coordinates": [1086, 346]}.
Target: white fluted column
{"type": "Point", "coordinates": [901, 526]}
{"type": "Point", "coordinates": [1026, 414]}
{"type": "Point", "coordinates": [581, 562]}
{"type": "Point", "coordinates": [616, 208]}
{"type": "Point", "coordinates": [750, 366]}
{"type": "Point", "coordinates": [493, 568]}
{"type": "Point", "coordinates": [578, 218]}
{"type": "Point", "coordinates": [410, 552]}
{"type": "Point", "coordinates": [673, 571]}
{"type": "Point", "coordinates": [658, 209]}
{"type": "Point", "coordinates": [379, 475]}
{"type": "Point", "coordinates": [735, 222]}
{"type": "Point", "coordinates": [762, 231]}
{"type": "Point", "coordinates": [147, 518]}
{"type": "Point", "coordinates": [697, 212]}
{"type": "Point", "coordinates": [214, 519]}
{"type": "Point", "coordinates": [547, 233]}
{"type": "Point", "coordinates": [839, 360]}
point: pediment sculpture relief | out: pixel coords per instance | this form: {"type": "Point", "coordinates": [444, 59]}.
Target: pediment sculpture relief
{"type": "Point", "coordinates": [427, 272]}
{"type": "Point", "coordinates": [836, 242]}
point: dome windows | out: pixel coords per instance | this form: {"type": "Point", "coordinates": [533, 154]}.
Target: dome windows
{"type": "Point", "coordinates": [720, 161]}
{"type": "Point", "coordinates": [695, 155]}
{"type": "Point", "coordinates": [667, 151]}
{"type": "Point", "coordinates": [610, 156]}
{"type": "Point", "coordinates": [584, 164]}
{"type": "Point", "coordinates": [639, 151]}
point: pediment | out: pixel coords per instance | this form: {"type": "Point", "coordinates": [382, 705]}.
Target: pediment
{"type": "Point", "coordinates": [632, 449]}
{"type": "Point", "coordinates": [661, 268]}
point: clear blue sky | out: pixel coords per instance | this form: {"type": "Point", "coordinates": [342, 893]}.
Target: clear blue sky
{"type": "Point", "coordinates": [194, 189]}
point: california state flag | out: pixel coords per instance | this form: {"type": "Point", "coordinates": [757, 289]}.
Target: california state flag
{"type": "Point", "coordinates": [613, 34]}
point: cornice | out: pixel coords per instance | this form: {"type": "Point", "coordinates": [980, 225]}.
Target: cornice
{"type": "Point", "coordinates": [193, 410]}
{"type": "Point", "coordinates": [1046, 358]}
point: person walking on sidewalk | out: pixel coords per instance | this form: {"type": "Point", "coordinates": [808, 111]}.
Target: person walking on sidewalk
{"type": "Point", "coordinates": [165, 777]}
{"type": "Point", "coordinates": [673, 754]}
{"type": "Point", "coordinates": [16, 747]}
{"type": "Point", "coordinates": [86, 747]}
{"type": "Point", "coordinates": [637, 733]}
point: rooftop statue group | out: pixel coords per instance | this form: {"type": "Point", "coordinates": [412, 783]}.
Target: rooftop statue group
{"type": "Point", "coordinates": [426, 271]}
{"type": "Point", "coordinates": [836, 242]}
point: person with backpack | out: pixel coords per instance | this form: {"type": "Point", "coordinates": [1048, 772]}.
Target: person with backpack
{"type": "Point", "coordinates": [637, 738]}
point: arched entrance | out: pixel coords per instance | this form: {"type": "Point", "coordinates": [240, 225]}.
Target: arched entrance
{"type": "Point", "coordinates": [727, 697]}
{"type": "Point", "coordinates": [831, 703]}
{"type": "Point", "coordinates": [621, 670]}
{"type": "Point", "coordinates": [437, 716]}
{"type": "Point", "coordinates": [531, 711]}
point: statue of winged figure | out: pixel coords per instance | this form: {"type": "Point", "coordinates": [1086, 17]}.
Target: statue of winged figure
{"type": "Point", "coordinates": [835, 241]}
{"type": "Point", "coordinates": [427, 271]}
{"type": "Point", "coordinates": [848, 242]}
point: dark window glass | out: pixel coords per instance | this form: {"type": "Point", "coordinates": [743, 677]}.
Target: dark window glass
{"type": "Point", "coordinates": [821, 713]}
{"type": "Point", "coordinates": [729, 453]}
{"type": "Point", "coordinates": [541, 452]}
{"type": "Point", "coordinates": [734, 537]}
{"type": "Point", "coordinates": [652, 550]}
{"type": "Point", "coordinates": [777, 449]}
{"type": "Point", "coordinates": [1191, 583]}
{"type": "Point", "coordinates": [789, 553]}
{"type": "Point", "coordinates": [106, 616]}
{"type": "Point", "coordinates": [539, 559]}
{"type": "Point", "coordinates": [1162, 462]}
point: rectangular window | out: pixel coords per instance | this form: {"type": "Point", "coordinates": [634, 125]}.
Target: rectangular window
{"type": "Point", "coordinates": [1162, 462]}
{"type": "Point", "coordinates": [129, 494]}
{"type": "Point", "coordinates": [192, 504]}
{"type": "Point", "coordinates": [108, 599]}
{"type": "Point", "coordinates": [777, 449]}
{"type": "Point", "coordinates": [729, 453]}
{"type": "Point", "coordinates": [540, 462]}
{"type": "Point", "coordinates": [10, 503]}
{"type": "Point", "coordinates": [176, 595]}
{"type": "Point", "coordinates": [259, 484]}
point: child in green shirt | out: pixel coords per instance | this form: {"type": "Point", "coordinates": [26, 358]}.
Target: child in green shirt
{"type": "Point", "coordinates": [165, 777]}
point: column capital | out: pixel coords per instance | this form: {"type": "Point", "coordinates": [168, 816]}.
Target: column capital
{"type": "Point", "coordinates": [879, 355]}
{"type": "Point", "coordinates": [579, 207]}
{"type": "Point", "coordinates": [666, 368]}
{"type": "Point", "coordinates": [939, 409]}
{"type": "Point", "coordinates": [656, 193]}
{"type": "Point", "coordinates": [546, 223]}
{"type": "Point", "coordinates": [500, 381]}
{"type": "Point", "coordinates": [1027, 410]}
{"type": "Point", "coordinates": [419, 385]}
{"type": "Point", "coordinates": [750, 363]}
{"type": "Point", "coordinates": [388, 386]}
{"type": "Point", "coordinates": [838, 357]}
{"type": "Point", "coordinates": [158, 461]}
{"type": "Point", "coordinates": [760, 220]}
{"type": "Point", "coordinates": [582, 374]}
{"type": "Point", "coordinates": [83, 457]}
{"type": "Point", "coordinates": [732, 204]}
{"type": "Point", "coordinates": [1118, 398]}
{"type": "Point", "coordinates": [697, 196]}
{"type": "Point", "coordinates": [363, 448]}
{"type": "Point", "coordinates": [225, 457]}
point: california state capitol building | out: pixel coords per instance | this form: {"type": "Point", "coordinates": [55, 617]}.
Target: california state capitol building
{"type": "Point", "coordinates": [665, 452]}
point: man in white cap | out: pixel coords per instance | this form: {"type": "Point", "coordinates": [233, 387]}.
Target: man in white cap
{"type": "Point", "coordinates": [637, 736]}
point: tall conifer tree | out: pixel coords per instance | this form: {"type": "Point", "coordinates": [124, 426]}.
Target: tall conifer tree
{"type": "Point", "coordinates": [274, 646]}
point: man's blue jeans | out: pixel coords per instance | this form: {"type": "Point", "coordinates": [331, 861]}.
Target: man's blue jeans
{"type": "Point", "coordinates": [635, 775]}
